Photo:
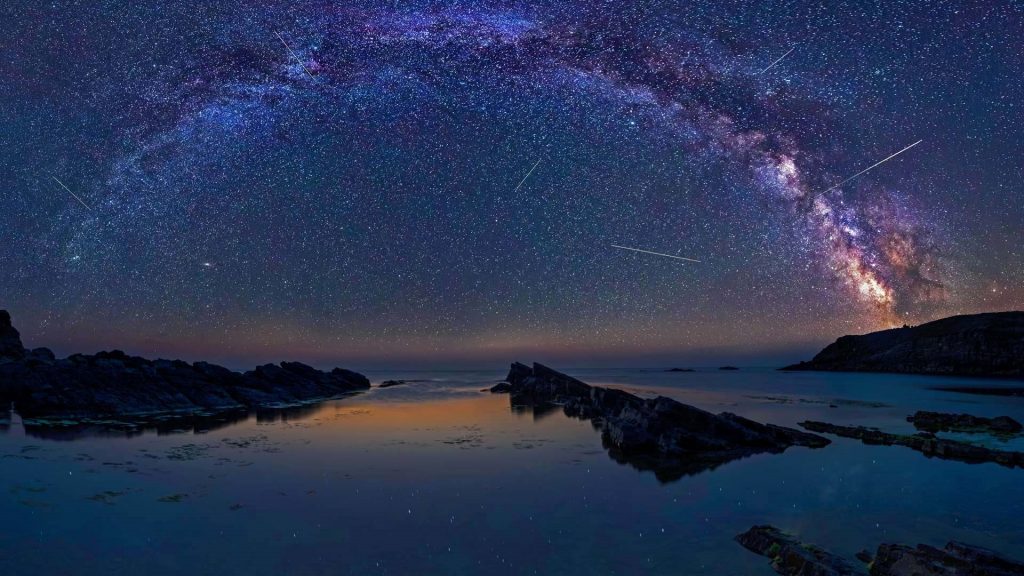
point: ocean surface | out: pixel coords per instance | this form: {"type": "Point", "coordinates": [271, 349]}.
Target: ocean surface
{"type": "Point", "coordinates": [436, 477]}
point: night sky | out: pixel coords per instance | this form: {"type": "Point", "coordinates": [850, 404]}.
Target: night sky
{"type": "Point", "coordinates": [343, 182]}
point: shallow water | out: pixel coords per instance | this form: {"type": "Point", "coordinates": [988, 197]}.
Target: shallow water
{"type": "Point", "coordinates": [436, 477]}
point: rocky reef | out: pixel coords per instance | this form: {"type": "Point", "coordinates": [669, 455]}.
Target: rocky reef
{"type": "Point", "coordinates": [973, 345]}
{"type": "Point", "coordinates": [791, 557]}
{"type": "Point", "coordinates": [114, 384]}
{"type": "Point", "coordinates": [660, 434]}
{"type": "Point", "coordinates": [923, 442]}
{"type": "Point", "coordinates": [942, 422]}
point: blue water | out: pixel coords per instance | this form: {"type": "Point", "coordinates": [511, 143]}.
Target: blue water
{"type": "Point", "coordinates": [436, 477]}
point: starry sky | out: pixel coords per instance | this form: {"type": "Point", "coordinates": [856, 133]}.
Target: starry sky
{"type": "Point", "coordinates": [441, 182]}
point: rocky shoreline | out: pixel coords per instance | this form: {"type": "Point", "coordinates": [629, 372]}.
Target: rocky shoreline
{"type": "Point", "coordinates": [990, 345]}
{"type": "Point", "coordinates": [115, 385]}
{"type": "Point", "coordinates": [791, 557]}
{"type": "Point", "coordinates": [660, 434]}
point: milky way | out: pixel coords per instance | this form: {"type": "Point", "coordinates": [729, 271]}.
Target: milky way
{"type": "Point", "coordinates": [369, 180]}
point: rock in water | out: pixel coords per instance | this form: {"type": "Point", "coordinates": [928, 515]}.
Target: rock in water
{"type": "Point", "coordinates": [114, 384]}
{"type": "Point", "coordinates": [924, 442]}
{"type": "Point", "coordinates": [660, 434]}
{"type": "Point", "coordinates": [10, 339]}
{"type": "Point", "coordinates": [956, 559]}
{"type": "Point", "coordinates": [941, 422]}
{"type": "Point", "coordinates": [791, 557]}
{"type": "Point", "coordinates": [973, 345]}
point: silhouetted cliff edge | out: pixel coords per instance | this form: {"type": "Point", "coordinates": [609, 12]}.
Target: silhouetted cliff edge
{"type": "Point", "coordinates": [989, 344]}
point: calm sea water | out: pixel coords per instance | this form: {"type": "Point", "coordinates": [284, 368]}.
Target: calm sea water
{"type": "Point", "coordinates": [435, 477]}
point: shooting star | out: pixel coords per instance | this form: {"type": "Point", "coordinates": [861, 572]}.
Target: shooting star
{"type": "Point", "coordinates": [655, 253]}
{"type": "Point", "coordinates": [772, 65]}
{"type": "Point", "coordinates": [294, 55]}
{"type": "Point", "coordinates": [883, 161]}
{"type": "Point", "coordinates": [70, 192]}
{"type": "Point", "coordinates": [523, 181]}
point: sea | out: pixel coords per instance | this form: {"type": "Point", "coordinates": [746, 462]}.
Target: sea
{"type": "Point", "coordinates": [436, 476]}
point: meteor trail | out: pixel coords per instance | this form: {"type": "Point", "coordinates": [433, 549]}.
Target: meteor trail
{"type": "Point", "coordinates": [869, 168]}
{"type": "Point", "coordinates": [297, 59]}
{"type": "Point", "coordinates": [655, 253]}
{"type": "Point", "coordinates": [772, 65]}
{"type": "Point", "coordinates": [70, 192]}
{"type": "Point", "coordinates": [521, 182]}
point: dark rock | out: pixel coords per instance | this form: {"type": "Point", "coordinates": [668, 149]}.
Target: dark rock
{"type": "Point", "coordinates": [973, 345]}
{"type": "Point", "coordinates": [390, 383]}
{"type": "Point", "coordinates": [500, 388]}
{"type": "Point", "coordinates": [114, 384]}
{"type": "Point", "coordinates": [659, 434]}
{"type": "Point", "coordinates": [791, 557]}
{"type": "Point", "coordinates": [10, 340]}
{"type": "Point", "coordinates": [728, 368]}
{"type": "Point", "coordinates": [924, 442]}
{"type": "Point", "coordinates": [680, 370]}
{"type": "Point", "coordinates": [956, 559]}
{"type": "Point", "coordinates": [941, 422]}
{"type": "Point", "coordinates": [984, 391]}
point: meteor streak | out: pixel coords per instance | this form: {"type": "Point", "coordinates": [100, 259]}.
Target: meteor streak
{"type": "Point", "coordinates": [655, 253]}
{"type": "Point", "coordinates": [523, 181]}
{"type": "Point", "coordinates": [292, 52]}
{"type": "Point", "coordinates": [70, 192]}
{"type": "Point", "coordinates": [772, 65]}
{"type": "Point", "coordinates": [884, 160]}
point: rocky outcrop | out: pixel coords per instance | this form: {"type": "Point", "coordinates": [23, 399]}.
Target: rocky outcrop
{"type": "Point", "coordinates": [791, 557]}
{"type": "Point", "coordinates": [941, 422]}
{"type": "Point", "coordinates": [500, 388]}
{"type": "Point", "coordinates": [680, 370]}
{"type": "Point", "coordinates": [924, 442]}
{"type": "Point", "coordinates": [10, 340]}
{"type": "Point", "coordinates": [974, 345]}
{"type": "Point", "coordinates": [114, 384]}
{"type": "Point", "coordinates": [956, 559]}
{"type": "Point", "coordinates": [659, 434]}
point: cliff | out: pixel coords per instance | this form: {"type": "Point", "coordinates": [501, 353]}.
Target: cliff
{"type": "Point", "coordinates": [972, 345]}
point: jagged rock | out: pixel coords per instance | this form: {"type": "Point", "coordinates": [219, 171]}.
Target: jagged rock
{"type": "Point", "coordinates": [941, 422]}
{"type": "Point", "coordinates": [924, 442]}
{"type": "Point", "coordinates": [974, 345]}
{"type": "Point", "coordinates": [390, 383]}
{"type": "Point", "coordinates": [791, 557]}
{"type": "Point", "coordinates": [500, 388]}
{"type": "Point", "coordinates": [114, 384]}
{"type": "Point", "coordinates": [10, 339]}
{"type": "Point", "coordinates": [660, 434]}
{"type": "Point", "coordinates": [956, 559]}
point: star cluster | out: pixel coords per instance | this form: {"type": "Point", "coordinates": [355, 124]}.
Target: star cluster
{"type": "Point", "coordinates": [345, 180]}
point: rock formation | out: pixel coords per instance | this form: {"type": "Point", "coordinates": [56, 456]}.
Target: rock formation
{"type": "Point", "coordinates": [114, 384]}
{"type": "Point", "coordinates": [941, 422]}
{"type": "Point", "coordinates": [660, 434]}
{"type": "Point", "coordinates": [924, 442]}
{"type": "Point", "coordinates": [974, 345]}
{"type": "Point", "coordinates": [791, 557]}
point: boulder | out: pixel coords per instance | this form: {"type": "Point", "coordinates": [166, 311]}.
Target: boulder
{"type": "Point", "coordinates": [791, 557]}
